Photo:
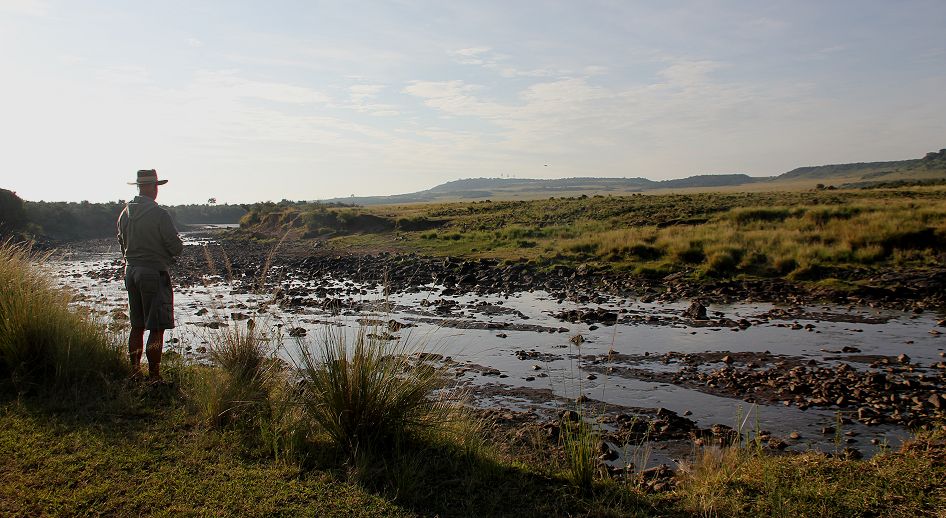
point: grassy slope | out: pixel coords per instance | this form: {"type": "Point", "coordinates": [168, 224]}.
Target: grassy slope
{"type": "Point", "coordinates": [801, 234]}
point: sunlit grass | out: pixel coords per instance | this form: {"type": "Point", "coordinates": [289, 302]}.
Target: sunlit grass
{"type": "Point", "coordinates": [734, 481]}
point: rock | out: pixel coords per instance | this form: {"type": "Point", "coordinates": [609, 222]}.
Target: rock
{"type": "Point", "coordinates": [577, 339]}
{"type": "Point", "coordinates": [849, 349]}
{"type": "Point", "coordinates": [903, 358]}
{"type": "Point", "coordinates": [696, 311]}
{"type": "Point", "coordinates": [936, 401]}
{"type": "Point", "coordinates": [794, 436]}
{"type": "Point", "coordinates": [727, 359]}
{"type": "Point", "coordinates": [297, 332]}
{"type": "Point", "coordinates": [606, 453]}
{"type": "Point", "coordinates": [570, 415]}
{"type": "Point", "coordinates": [852, 453]}
{"type": "Point", "coordinates": [866, 413]}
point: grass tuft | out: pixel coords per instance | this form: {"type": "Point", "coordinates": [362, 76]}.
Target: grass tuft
{"type": "Point", "coordinates": [580, 442]}
{"type": "Point", "coordinates": [370, 393]}
{"type": "Point", "coordinates": [247, 387]}
{"type": "Point", "coordinates": [44, 343]}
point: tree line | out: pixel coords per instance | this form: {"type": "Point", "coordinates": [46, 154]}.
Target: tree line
{"type": "Point", "coordinates": [66, 221]}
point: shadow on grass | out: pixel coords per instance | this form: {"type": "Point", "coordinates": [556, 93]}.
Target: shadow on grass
{"type": "Point", "coordinates": [134, 424]}
{"type": "Point", "coordinates": [437, 479]}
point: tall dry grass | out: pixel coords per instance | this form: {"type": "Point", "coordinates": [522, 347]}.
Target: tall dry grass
{"type": "Point", "coordinates": [44, 342]}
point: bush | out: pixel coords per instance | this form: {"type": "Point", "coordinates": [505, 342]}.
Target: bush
{"type": "Point", "coordinates": [743, 216]}
{"type": "Point", "coordinates": [693, 254]}
{"type": "Point", "coordinates": [820, 216]}
{"type": "Point", "coordinates": [12, 215]}
{"type": "Point", "coordinates": [583, 248]}
{"type": "Point", "coordinates": [44, 343]}
{"type": "Point", "coordinates": [369, 394]}
{"type": "Point", "coordinates": [722, 263]}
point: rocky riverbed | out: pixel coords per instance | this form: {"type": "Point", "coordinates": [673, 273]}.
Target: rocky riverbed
{"type": "Point", "coordinates": [658, 364]}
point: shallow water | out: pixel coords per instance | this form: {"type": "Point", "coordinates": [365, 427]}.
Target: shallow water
{"type": "Point", "coordinates": [470, 334]}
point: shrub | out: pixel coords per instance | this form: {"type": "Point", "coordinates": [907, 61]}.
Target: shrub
{"type": "Point", "coordinates": [583, 248]}
{"type": "Point", "coordinates": [722, 262]}
{"type": "Point", "coordinates": [785, 265]}
{"type": "Point", "coordinates": [369, 394]}
{"type": "Point", "coordinates": [743, 216]}
{"type": "Point", "coordinates": [645, 252]}
{"type": "Point", "coordinates": [820, 216]}
{"type": "Point", "coordinates": [692, 254]}
{"type": "Point", "coordinates": [43, 341]}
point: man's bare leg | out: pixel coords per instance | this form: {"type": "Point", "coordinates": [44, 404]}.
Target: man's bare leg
{"type": "Point", "coordinates": [136, 340]}
{"type": "Point", "coordinates": [155, 345]}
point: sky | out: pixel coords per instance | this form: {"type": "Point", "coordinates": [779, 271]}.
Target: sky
{"type": "Point", "coordinates": [249, 101]}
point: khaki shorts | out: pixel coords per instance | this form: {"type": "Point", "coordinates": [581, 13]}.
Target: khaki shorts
{"type": "Point", "coordinates": [150, 298]}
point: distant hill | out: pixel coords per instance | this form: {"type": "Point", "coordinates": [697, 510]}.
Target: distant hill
{"type": "Point", "coordinates": [525, 188]}
{"type": "Point", "coordinates": [930, 168]}
{"type": "Point", "coordinates": [864, 174]}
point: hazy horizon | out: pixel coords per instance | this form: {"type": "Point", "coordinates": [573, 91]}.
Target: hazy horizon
{"type": "Point", "coordinates": [317, 100]}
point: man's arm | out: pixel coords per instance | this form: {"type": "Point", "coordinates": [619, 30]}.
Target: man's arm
{"type": "Point", "coordinates": [121, 232]}
{"type": "Point", "coordinates": [172, 241]}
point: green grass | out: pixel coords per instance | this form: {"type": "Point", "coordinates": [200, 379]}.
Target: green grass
{"type": "Point", "coordinates": [743, 482]}
{"type": "Point", "coordinates": [143, 456]}
{"type": "Point", "coordinates": [44, 343]}
{"type": "Point", "coordinates": [367, 393]}
{"type": "Point", "coordinates": [580, 445]}
{"type": "Point", "coordinates": [807, 235]}
{"type": "Point", "coordinates": [138, 451]}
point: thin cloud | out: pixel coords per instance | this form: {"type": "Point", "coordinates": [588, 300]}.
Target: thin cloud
{"type": "Point", "coordinates": [25, 7]}
{"type": "Point", "coordinates": [229, 84]}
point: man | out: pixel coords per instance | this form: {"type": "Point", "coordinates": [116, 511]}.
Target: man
{"type": "Point", "coordinates": [149, 241]}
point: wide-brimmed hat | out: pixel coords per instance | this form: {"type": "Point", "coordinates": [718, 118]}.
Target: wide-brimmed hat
{"type": "Point", "coordinates": [148, 177]}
